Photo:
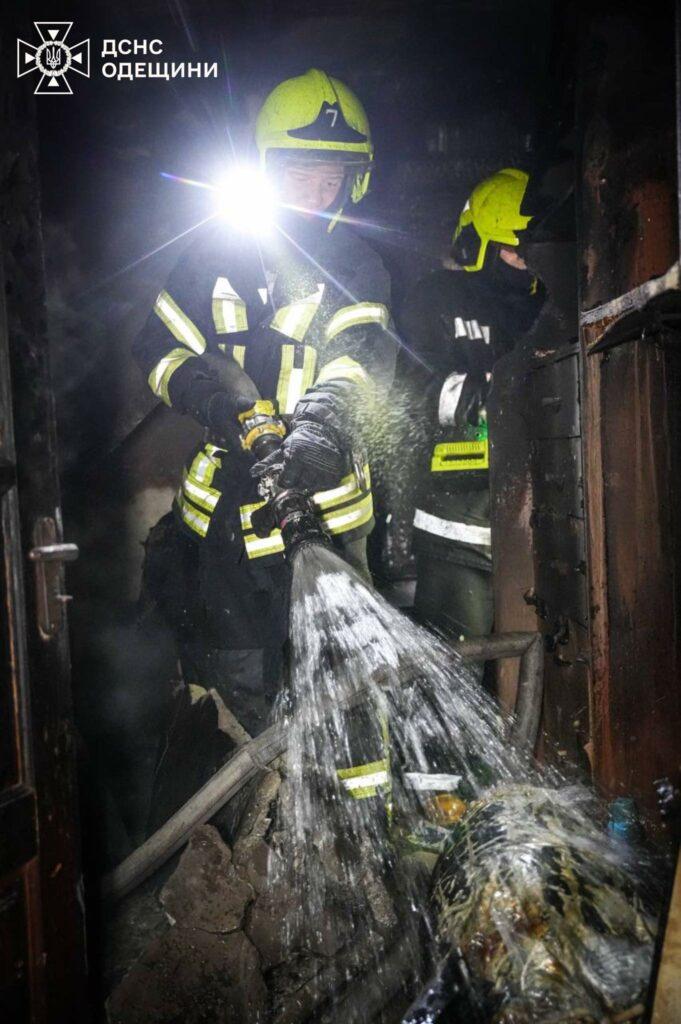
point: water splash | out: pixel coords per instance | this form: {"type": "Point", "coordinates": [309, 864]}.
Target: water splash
{"type": "Point", "coordinates": [382, 717]}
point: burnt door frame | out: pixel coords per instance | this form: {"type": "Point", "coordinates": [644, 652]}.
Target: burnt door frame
{"type": "Point", "coordinates": [42, 917]}
{"type": "Point", "coordinates": [629, 296]}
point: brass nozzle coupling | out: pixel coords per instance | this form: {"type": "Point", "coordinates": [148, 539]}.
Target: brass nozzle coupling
{"type": "Point", "coordinates": [261, 428]}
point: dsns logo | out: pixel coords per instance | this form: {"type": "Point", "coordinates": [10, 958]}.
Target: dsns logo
{"type": "Point", "coordinates": [53, 58]}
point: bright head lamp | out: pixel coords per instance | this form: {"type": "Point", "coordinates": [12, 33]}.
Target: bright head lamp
{"type": "Point", "coordinates": [245, 200]}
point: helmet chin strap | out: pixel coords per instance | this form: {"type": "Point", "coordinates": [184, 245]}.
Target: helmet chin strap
{"type": "Point", "coordinates": [343, 196]}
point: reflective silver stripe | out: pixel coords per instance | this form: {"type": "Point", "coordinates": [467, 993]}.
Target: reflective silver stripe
{"type": "Point", "coordinates": [206, 497]}
{"type": "Point", "coordinates": [262, 292]}
{"type": "Point", "coordinates": [358, 515]}
{"type": "Point", "coordinates": [196, 520]}
{"type": "Point", "coordinates": [164, 369]}
{"type": "Point", "coordinates": [424, 782]}
{"type": "Point", "coordinates": [352, 316]}
{"type": "Point", "coordinates": [229, 309]}
{"type": "Point", "coordinates": [294, 380]}
{"type": "Point", "coordinates": [464, 533]}
{"type": "Point", "coordinates": [259, 546]}
{"type": "Point", "coordinates": [295, 389]}
{"type": "Point", "coordinates": [364, 781]}
{"type": "Point", "coordinates": [179, 324]}
{"type": "Point", "coordinates": [470, 329]}
{"type": "Point", "coordinates": [347, 489]}
{"type": "Point", "coordinates": [450, 396]}
{"type": "Point", "coordinates": [288, 354]}
{"type": "Point", "coordinates": [294, 320]}
{"type": "Point", "coordinates": [343, 368]}
{"type": "Point", "coordinates": [204, 465]}
{"type": "Point", "coordinates": [196, 483]}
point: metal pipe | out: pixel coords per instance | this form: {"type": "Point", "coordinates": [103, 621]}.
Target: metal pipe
{"type": "Point", "coordinates": [260, 752]}
{"type": "Point", "coordinates": [528, 702]}
{"type": "Point", "coordinates": [491, 648]}
{"type": "Point", "coordinates": [530, 648]}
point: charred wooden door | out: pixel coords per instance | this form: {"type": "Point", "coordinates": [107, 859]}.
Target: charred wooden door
{"type": "Point", "coordinates": [42, 949]}
{"type": "Point", "coordinates": [42, 967]}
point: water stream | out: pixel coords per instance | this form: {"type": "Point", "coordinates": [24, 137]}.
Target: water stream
{"type": "Point", "coordinates": [425, 762]}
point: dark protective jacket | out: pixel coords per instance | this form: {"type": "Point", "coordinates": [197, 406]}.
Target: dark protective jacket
{"type": "Point", "coordinates": [455, 325]}
{"type": "Point", "coordinates": [277, 319]}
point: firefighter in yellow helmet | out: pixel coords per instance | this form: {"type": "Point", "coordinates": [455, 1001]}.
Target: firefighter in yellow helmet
{"type": "Point", "coordinates": [277, 346]}
{"type": "Point", "coordinates": [492, 214]}
{"type": "Point", "coordinates": [458, 321]}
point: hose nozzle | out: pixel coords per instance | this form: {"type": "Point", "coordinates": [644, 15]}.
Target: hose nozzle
{"type": "Point", "coordinates": [295, 515]}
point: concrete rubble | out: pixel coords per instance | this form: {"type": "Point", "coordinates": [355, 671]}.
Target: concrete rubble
{"type": "Point", "coordinates": [208, 946]}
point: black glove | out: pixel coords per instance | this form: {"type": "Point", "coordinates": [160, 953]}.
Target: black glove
{"type": "Point", "coordinates": [312, 458]}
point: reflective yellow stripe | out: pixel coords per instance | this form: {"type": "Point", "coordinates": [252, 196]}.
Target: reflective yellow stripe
{"type": "Point", "coordinates": [202, 469]}
{"type": "Point", "coordinates": [294, 380]}
{"type": "Point", "coordinates": [287, 355]}
{"type": "Point", "coordinates": [460, 455]}
{"type": "Point", "coordinates": [165, 368]}
{"type": "Point", "coordinates": [343, 368]}
{"type": "Point", "coordinates": [245, 513]}
{"type": "Point", "coordinates": [352, 316]}
{"type": "Point", "coordinates": [337, 522]}
{"type": "Point", "coordinates": [294, 320]}
{"type": "Point", "coordinates": [309, 366]}
{"type": "Point", "coordinates": [239, 354]}
{"type": "Point", "coordinates": [347, 491]}
{"type": "Point", "coordinates": [212, 451]}
{"type": "Point", "coordinates": [229, 310]}
{"type": "Point", "coordinates": [350, 518]}
{"type": "Point", "coordinates": [257, 547]}
{"type": "Point", "coordinates": [195, 489]}
{"type": "Point", "coordinates": [365, 780]}
{"type": "Point", "coordinates": [195, 520]}
{"type": "Point", "coordinates": [179, 324]}
{"type": "Point", "coordinates": [204, 497]}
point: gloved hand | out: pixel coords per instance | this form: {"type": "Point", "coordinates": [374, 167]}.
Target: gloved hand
{"type": "Point", "coordinates": [312, 458]}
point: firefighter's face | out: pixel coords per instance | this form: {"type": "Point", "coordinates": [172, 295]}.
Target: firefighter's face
{"type": "Point", "coordinates": [512, 258]}
{"type": "Point", "coordinates": [310, 187]}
